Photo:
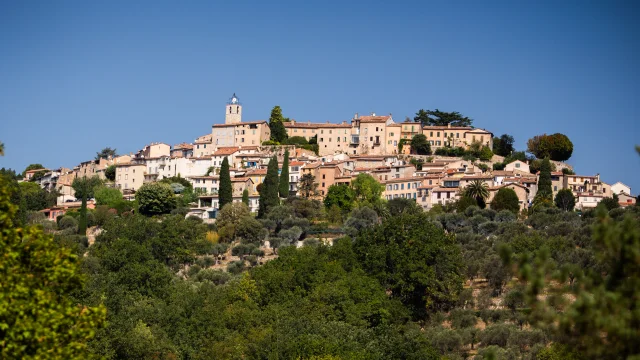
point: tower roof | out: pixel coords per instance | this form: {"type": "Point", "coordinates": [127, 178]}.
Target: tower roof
{"type": "Point", "coordinates": [234, 100]}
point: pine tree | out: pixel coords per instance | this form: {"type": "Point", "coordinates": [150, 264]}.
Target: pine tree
{"type": "Point", "coordinates": [278, 131]}
{"type": "Point", "coordinates": [245, 197]}
{"type": "Point", "coordinates": [225, 195]}
{"type": "Point", "coordinates": [283, 186]}
{"type": "Point", "coordinates": [269, 189]}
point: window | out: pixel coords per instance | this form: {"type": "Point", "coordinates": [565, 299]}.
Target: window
{"type": "Point", "coordinates": [431, 133]}
{"type": "Point", "coordinates": [439, 195]}
{"type": "Point", "coordinates": [438, 134]}
{"type": "Point", "coordinates": [323, 176]}
{"type": "Point", "coordinates": [205, 145]}
{"type": "Point", "coordinates": [445, 134]}
{"type": "Point", "coordinates": [321, 131]}
{"type": "Point", "coordinates": [457, 135]}
{"type": "Point", "coordinates": [322, 184]}
{"type": "Point", "coordinates": [118, 177]}
{"type": "Point", "coordinates": [321, 139]}
{"type": "Point", "coordinates": [338, 139]}
{"type": "Point", "coordinates": [330, 132]}
{"type": "Point", "coordinates": [126, 177]}
{"type": "Point", "coordinates": [401, 186]}
{"type": "Point", "coordinates": [197, 146]}
{"type": "Point", "coordinates": [390, 134]}
{"type": "Point", "coordinates": [517, 165]}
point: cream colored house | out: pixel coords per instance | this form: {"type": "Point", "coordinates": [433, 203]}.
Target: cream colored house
{"type": "Point", "coordinates": [203, 146]}
{"type": "Point", "coordinates": [406, 188]}
{"type": "Point", "coordinates": [456, 136]}
{"type": "Point", "coordinates": [620, 188]}
{"type": "Point", "coordinates": [130, 176]}
{"type": "Point", "coordinates": [518, 166]}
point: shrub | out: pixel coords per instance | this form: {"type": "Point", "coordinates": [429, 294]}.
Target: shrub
{"type": "Point", "coordinates": [68, 222]}
{"type": "Point", "coordinates": [236, 267]}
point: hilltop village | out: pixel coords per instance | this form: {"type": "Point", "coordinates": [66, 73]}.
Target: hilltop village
{"type": "Point", "coordinates": [324, 154]}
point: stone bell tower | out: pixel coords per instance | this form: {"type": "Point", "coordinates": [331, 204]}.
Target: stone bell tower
{"type": "Point", "coordinates": [233, 113]}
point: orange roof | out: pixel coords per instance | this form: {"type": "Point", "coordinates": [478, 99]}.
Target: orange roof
{"type": "Point", "coordinates": [296, 163]}
{"type": "Point", "coordinates": [257, 172]}
{"type": "Point", "coordinates": [372, 118]}
{"type": "Point", "coordinates": [225, 151]}
{"type": "Point", "coordinates": [240, 179]}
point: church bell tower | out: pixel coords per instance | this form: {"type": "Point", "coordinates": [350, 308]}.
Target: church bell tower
{"type": "Point", "coordinates": [233, 109]}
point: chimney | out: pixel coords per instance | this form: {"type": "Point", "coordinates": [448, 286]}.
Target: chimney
{"type": "Point", "coordinates": [449, 125]}
{"type": "Point", "coordinates": [293, 121]}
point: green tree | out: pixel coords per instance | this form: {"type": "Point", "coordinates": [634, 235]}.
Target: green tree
{"type": "Point", "coordinates": [245, 197]}
{"type": "Point", "coordinates": [308, 186]}
{"type": "Point", "coordinates": [107, 196]}
{"type": "Point", "coordinates": [155, 199]}
{"type": "Point", "coordinates": [557, 146]}
{"type": "Point", "coordinates": [284, 176]}
{"type": "Point", "coordinates": [477, 190]}
{"type": "Point", "coordinates": [341, 196]}
{"type": "Point", "coordinates": [106, 153]}
{"type": "Point", "coordinates": [32, 167]}
{"type": "Point", "coordinates": [600, 321]}
{"type": "Point", "coordinates": [228, 219]}
{"type": "Point", "coordinates": [545, 190]}
{"type": "Point", "coordinates": [503, 145]}
{"type": "Point", "coordinates": [420, 145]}
{"type": "Point", "coordinates": [367, 189]}
{"type": "Point", "coordinates": [84, 189]}
{"type": "Point", "coordinates": [415, 260]}
{"type": "Point", "coordinates": [506, 199]}
{"type": "Point", "coordinates": [269, 191]}
{"type": "Point", "coordinates": [34, 198]}
{"type": "Point", "coordinates": [278, 131]}
{"type": "Point", "coordinates": [565, 200]}
{"type": "Point", "coordinates": [485, 153]}
{"type": "Point", "coordinates": [401, 145]}
{"type": "Point", "coordinates": [441, 118]}
{"type": "Point", "coordinates": [464, 203]}
{"type": "Point", "coordinates": [225, 193]}
{"type": "Point", "coordinates": [38, 316]}
{"type": "Point", "coordinates": [110, 173]}
{"type": "Point", "coordinates": [610, 202]}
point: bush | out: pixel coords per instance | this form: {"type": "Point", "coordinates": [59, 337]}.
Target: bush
{"type": "Point", "coordinates": [236, 267]}
{"type": "Point", "coordinates": [505, 216]}
{"type": "Point", "coordinates": [68, 222]}
{"type": "Point", "coordinates": [182, 211]}
{"type": "Point", "coordinates": [506, 199]}
{"type": "Point", "coordinates": [216, 277]}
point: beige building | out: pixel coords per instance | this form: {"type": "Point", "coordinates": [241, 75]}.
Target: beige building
{"type": "Point", "coordinates": [130, 176]}
{"type": "Point", "coordinates": [369, 134]}
{"type": "Point", "coordinates": [456, 136]}
{"type": "Point", "coordinates": [331, 138]}
{"type": "Point", "coordinates": [394, 134]}
{"type": "Point", "coordinates": [234, 132]}
{"type": "Point", "coordinates": [410, 129]}
{"type": "Point", "coordinates": [587, 184]}
{"type": "Point", "coordinates": [154, 150]}
{"type": "Point", "coordinates": [518, 166]}
{"type": "Point", "coordinates": [520, 190]}
{"type": "Point", "coordinates": [203, 146]}
{"type": "Point", "coordinates": [406, 188]}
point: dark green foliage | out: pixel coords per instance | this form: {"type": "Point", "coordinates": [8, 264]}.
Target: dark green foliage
{"type": "Point", "coordinates": [565, 200]}
{"type": "Point", "coordinates": [449, 151]}
{"type": "Point", "coordinates": [557, 146]}
{"type": "Point", "coordinates": [341, 196]}
{"type": "Point", "coordinates": [225, 193]}
{"type": "Point", "coordinates": [106, 153]}
{"type": "Point", "coordinates": [404, 246]}
{"type": "Point", "coordinates": [464, 203]}
{"type": "Point", "coordinates": [245, 197]}
{"type": "Point", "coordinates": [610, 203]}
{"type": "Point", "coordinates": [398, 206]}
{"type": "Point", "coordinates": [441, 118]}
{"type": "Point", "coordinates": [32, 167]}
{"type": "Point", "coordinates": [110, 173]}
{"type": "Point", "coordinates": [84, 189]}
{"type": "Point", "coordinates": [283, 184]}
{"type": "Point", "coordinates": [359, 220]}
{"type": "Point", "coordinates": [503, 145]}
{"type": "Point", "coordinates": [545, 189]}
{"type": "Point", "coordinates": [269, 192]}
{"type": "Point", "coordinates": [367, 189]}
{"type": "Point", "coordinates": [477, 190]}
{"type": "Point", "coordinates": [506, 199]}
{"type": "Point", "coordinates": [307, 186]}
{"type": "Point", "coordinates": [278, 131]}
{"type": "Point", "coordinates": [485, 153]}
{"type": "Point", "coordinates": [420, 145]}
{"type": "Point", "coordinates": [155, 199]}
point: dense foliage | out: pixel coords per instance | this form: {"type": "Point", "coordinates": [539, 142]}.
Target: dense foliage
{"type": "Point", "coordinates": [225, 192]}
{"type": "Point", "coordinates": [441, 118]}
{"type": "Point", "coordinates": [283, 184]}
{"type": "Point", "coordinates": [276, 126]}
{"type": "Point", "coordinates": [557, 146]}
{"type": "Point", "coordinates": [420, 145]}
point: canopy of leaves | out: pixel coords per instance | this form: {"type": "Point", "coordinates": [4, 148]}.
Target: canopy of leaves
{"type": "Point", "coordinates": [503, 145]}
{"type": "Point", "coordinates": [283, 184]}
{"type": "Point", "coordinates": [413, 258]}
{"type": "Point", "coordinates": [106, 153]}
{"type": "Point", "coordinates": [39, 318]}
{"type": "Point", "coordinates": [225, 193]}
{"type": "Point", "coordinates": [269, 191]}
{"type": "Point", "coordinates": [441, 118]}
{"type": "Point", "coordinates": [110, 173]}
{"type": "Point", "coordinates": [557, 146]}
{"type": "Point", "coordinates": [477, 190]}
{"type": "Point", "coordinates": [420, 145]}
{"type": "Point", "coordinates": [155, 199]}
{"type": "Point", "coordinates": [506, 199]}
{"type": "Point", "coordinates": [308, 186]}
{"type": "Point", "coordinates": [367, 189]}
{"type": "Point", "coordinates": [341, 196]}
{"type": "Point", "coordinates": [565, 200]}
{"type": "Point", "coordinates": [278, 131]}
{"type": "Point", "coordinates": [107, 196]}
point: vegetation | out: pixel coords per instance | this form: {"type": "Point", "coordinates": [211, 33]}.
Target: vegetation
{"type": "Point", "coordinates": [506, 199]}
{"type": "Point", "coordinates": [341, 196]}
{"type": "Point", "coordinates": [84, 189]}
{"type": "Point", "coordinates": [269, 190]}
{"type": "Point", "coordinates": [155, 199]}
{"type": "Point", "coordinates": [441, 118]}
{"type": "Point", "coordinates": [503, 145]}
{"type": "Point", "coordinates": [283, 184]}
{"type": "Point", "coordinates": [245, 197]}
{"type": "Point", "coordinates": [225, 192]}
{"type": "Point", "coordinates": [106, 153]}
{"type": "Point", "coordinates": [477, 190]}
{"type": "Point", "coordinates": [556, 147]}
{"type": "Point", "coordinates": [107, 196]}
{"type": "Point", "coordinates": [308, 186]}
{"type": "Point", "coordinates": [420, 145]}
{"type": "Point", "coordinates": [278, 131]}
{"type": "Point", "coordinates": [545, 188]}
{"type": "Point", "coordinates": [110, 173]}
{"type": "Point", "coordinates": [565, 200]}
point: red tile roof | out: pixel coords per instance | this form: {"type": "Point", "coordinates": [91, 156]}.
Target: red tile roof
{"type": "Point", "coordinates": [225, 151]}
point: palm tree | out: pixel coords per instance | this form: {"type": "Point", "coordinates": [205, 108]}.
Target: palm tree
{"type": "Point", "coordinates": [478, 190]}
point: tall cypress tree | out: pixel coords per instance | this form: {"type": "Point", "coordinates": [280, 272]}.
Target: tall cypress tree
{"type": "Point", "coordinates": [269, 189]}
{"type": "Point", "coordinates": [225, 195]}
{"type": "Point", "coordinates": [284, 176]}
{"type": "Point", "coordinates": [278, 131]}
{"type": "Point", "coordinates": [544, 182]}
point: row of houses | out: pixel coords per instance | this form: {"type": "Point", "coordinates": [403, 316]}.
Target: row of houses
{"type": "Point", "coordinates": [366, 144]}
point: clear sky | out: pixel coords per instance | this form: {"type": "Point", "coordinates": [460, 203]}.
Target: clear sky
{"type": "Point", "coordinates": [77, 76]}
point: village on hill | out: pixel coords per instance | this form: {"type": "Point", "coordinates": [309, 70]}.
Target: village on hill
{"type": "Point", "coordinates": [427, 161]}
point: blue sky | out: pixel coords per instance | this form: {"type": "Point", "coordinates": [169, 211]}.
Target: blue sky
{"type": "Point", "coordinates": [78, 76]}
